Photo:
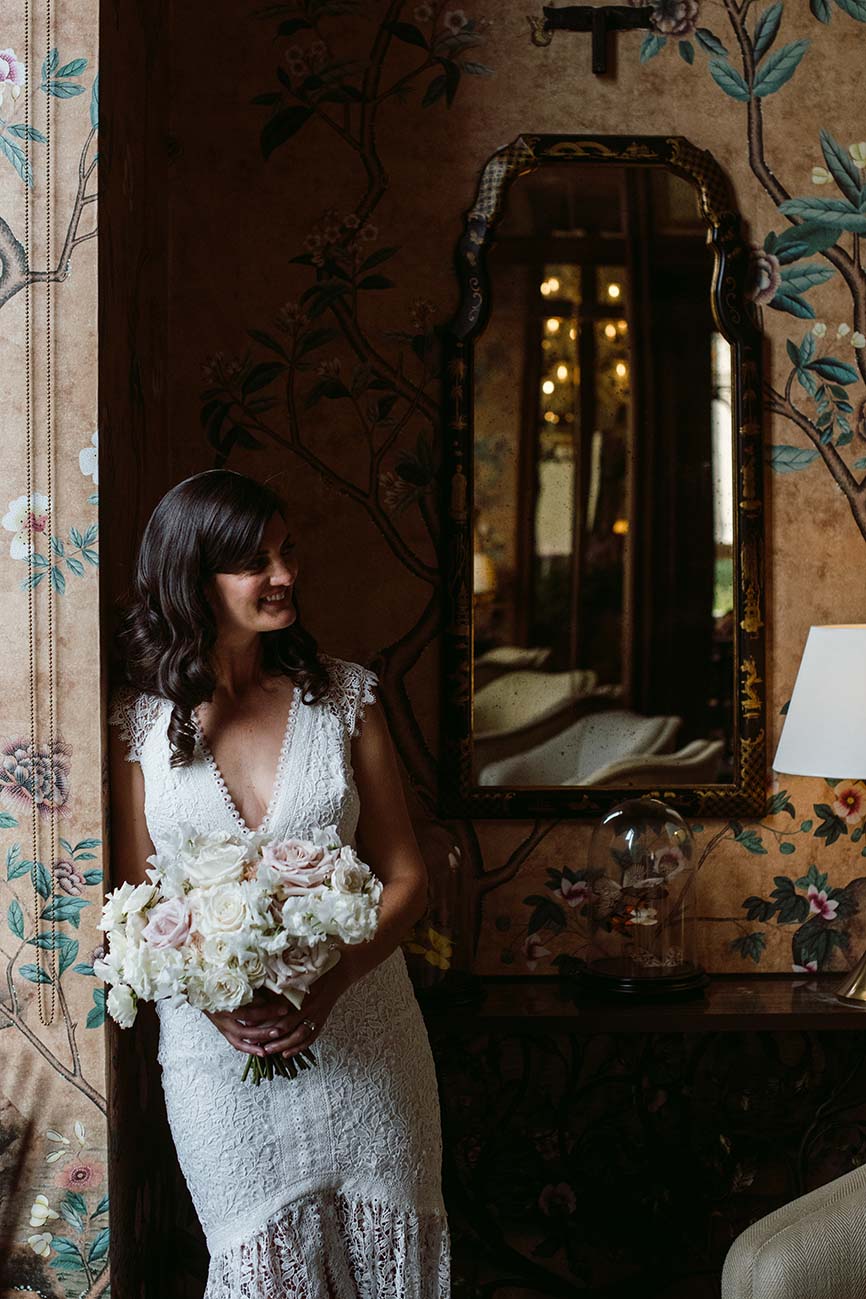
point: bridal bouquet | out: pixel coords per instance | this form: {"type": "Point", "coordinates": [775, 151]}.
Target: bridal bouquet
{"type": "Point", "coordinates": [221, 916]}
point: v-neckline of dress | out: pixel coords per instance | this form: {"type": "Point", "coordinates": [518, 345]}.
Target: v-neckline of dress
{"type": "Point", "coordinates": [219, 780]}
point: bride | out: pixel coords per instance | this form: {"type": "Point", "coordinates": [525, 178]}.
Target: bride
{"type": "Point", "coordinates": [328, 1185]}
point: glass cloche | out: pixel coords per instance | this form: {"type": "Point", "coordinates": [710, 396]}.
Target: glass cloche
{"type": "Point", "coordinates": [641, 909]}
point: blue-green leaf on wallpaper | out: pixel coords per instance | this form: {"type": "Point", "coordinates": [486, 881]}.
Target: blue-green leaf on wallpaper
{"type": "Point", "coordinates": [18, 158]}
{"type": "Point", "coordinates": [787, 847]}
{"type": "Point", "coordinates": [376, 258]}
{"type": "Point", "coordinates": [813, 877]}
{"type": "Point", "coordinates": [92, 557]}
{"type": "Point", "coordinates": [58, 579]}
{"type": "Point", "coordinates": [477, 69]}
{"type": "Point", "coordinates": [7, 821]}
{"type": "Point", "coordinates": [807, 382]}
{"type": "Point", "coordinates": [102, 1207]}
{"type": "Point", "coordinates": [830, 368]}
{"type": "Point", "coordinates": [815, 942]}
{"type": "Point", "coordinates": [836, 212]}
{"type": "Point", "coordinates": [72, 69]}
{"type": "Point", "coordinates": [77, 539]}
{"type": "Point", "coordinates": [651, 45]}
{"type": "Point", "coordinates": [15, 863]}
{"type": "Point", "coordinates": [805, 276]}
{"type": "Point", "coordinates": [22, 131]}
{"type": "Point", "coordinates": [68, 1256]}
{"type": "Point", "coordinates": [266, 340]}
{"type": "Point", "coordinates": [751, 841]}
{"type": "Point", "coordinates": [787, 459]}
{"type": "Point", "coordinates": [282, 126]}
{"type": "Point", "coordinates": [709, 42]}
{"type": "Point", "coordinates": [56, 545]}
{"type": "Point", "coordinates": [791, 302]}
{"type": "Point", "coordinates": [34, 974]}
{"type": "Point", "coordinates": [854, 8]}
{"type": "Point", "coordinates": [820, 10]}
{"type": "Point", "coordinates": [767, 29]}
{"type": "Point", "coordinates": [261, 375]}
{"type": "Point", "coordinates": [16, 918]}
{"type": "Point", "coordinates": [75, 566]}
{"type": "Point", "coordinates": [803, 240]}
{"type": "Point", "coordinates": [63, 89]}
{"type": "Point", "coordinates": [842, 167]}
{"type": "Point", "coordinates": [434, 91]}
{"type": "Point", "coordinates": [96, 1016]}
{"type": "Point", "coordinates": [729, 80]}
{"type": "Point", "coordinates": [85, 969]}
{"type": "Point", "coordinates": [93, 876]}
{"type": "Point", "coordinates": [778, 68]}
{"type": "Point", "coordinates": [315, 338]}
{"type": "Point", "coordinates": [407, 32]}
{"type": "Point", "coordinates": [49, 64]}
{"type": "Point", "coordinates": [41, 879]}
{"type": "Point", "coordinates": [793, 351]}
{"type": "Point", "coordinates": [65, 909]}
{"type": "Point", "coordinates": [750, 946]}
{"type": "Point", "coordinates": [99, 1248]}
{"type": "Point", "coordinates": [687, 51]}
{"type": "Point", "coordinates": [94, 103]}
{"type": "Point", "coordinates": [71, 1212]}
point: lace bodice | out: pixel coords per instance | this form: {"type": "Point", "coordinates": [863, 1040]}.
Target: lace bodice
{"type": "Point", "coordinates": [326, 1186]}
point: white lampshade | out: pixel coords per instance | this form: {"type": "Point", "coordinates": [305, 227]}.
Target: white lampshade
{"type": "Point", "coordinates": [825, 730]}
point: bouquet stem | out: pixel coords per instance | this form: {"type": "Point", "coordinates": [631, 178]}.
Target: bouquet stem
{"type": "Point", "coordinates": [267, 1067]}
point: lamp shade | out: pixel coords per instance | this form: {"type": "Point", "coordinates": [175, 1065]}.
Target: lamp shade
{"type": "Point", "coordinates": [825, 730]}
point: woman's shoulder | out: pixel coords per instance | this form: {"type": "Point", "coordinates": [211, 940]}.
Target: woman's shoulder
{"type": "Point", "coordinates": [352, 688]}
{"type": "Point", "coordinates": [134, 713]}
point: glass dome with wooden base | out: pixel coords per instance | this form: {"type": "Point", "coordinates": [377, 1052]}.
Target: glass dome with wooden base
{"type": "Point", "coordinates": [641, 908]}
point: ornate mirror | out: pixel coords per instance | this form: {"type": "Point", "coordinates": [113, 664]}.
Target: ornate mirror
{"type": "Point", "coordinates": [603, 519]}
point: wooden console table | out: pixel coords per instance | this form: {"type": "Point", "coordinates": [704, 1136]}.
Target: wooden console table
{"type": "Point", "coordinates": [606, 1148]}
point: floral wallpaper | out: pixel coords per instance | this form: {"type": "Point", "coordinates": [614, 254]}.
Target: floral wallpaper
{"type": "Point", "coordinates": [318, 358]}
{"type": "Point", "coordinates": [54, 1230]}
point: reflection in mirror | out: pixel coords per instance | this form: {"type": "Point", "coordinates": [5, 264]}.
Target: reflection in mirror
{"type": "Point", "coordinates": [603, 490]}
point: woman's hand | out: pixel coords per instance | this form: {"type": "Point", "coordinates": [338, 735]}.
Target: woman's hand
{"type": "Point", "coordinates": [270, 1024]}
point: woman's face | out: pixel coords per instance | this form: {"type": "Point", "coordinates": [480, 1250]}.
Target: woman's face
{"type": "Point", "coordinates": [259, 598]}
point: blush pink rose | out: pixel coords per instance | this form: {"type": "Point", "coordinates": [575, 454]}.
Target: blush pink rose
{"type": "Point", "coordinates": [295, 970]}
{"type": "Point", "coordinates": [168, 925]}
{"type": "Point", "coordinates": [302, 865]}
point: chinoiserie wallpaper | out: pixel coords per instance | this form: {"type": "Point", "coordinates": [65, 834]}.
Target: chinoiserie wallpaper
{"type": "Point", "coordinates": [53, 1140]}
{"type": "Point", "coordinates": [308, 167]}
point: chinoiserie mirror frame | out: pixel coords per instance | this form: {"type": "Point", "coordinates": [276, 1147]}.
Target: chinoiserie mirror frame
{"type": "Point", "coordinates": [736, 320]}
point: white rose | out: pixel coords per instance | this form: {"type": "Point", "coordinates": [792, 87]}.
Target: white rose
{"type": "Point", "coordinates": [350, 916]}
{"type": "Point", "coordinates": [122, 1005]}
{"type": "Point", "coordinates": [221, 909]}
{"type": "Point", "coordinates": [220, 948]}
{"type": "Point", "coordinates": [211, 859]}
{"type": "Point", "coordinates": [253, 967]}
{"type": "Point", "coordinates": [114, 907]}
{"type": "Point", "coordinates": [349, 877]}
{"type": "Point", "coordinates": [300, 913]}
{"type": "Point", "coordinates": [224, 988]}
{"type": "Point", "coordinates": [139, 898]}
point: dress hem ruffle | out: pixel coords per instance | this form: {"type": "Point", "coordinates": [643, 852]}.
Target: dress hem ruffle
{"type": "Point", "coordinates": [337, 1244]}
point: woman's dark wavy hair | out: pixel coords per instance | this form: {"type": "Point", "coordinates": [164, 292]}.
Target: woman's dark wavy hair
{"type": "Point", "coordinates": [210, 523]}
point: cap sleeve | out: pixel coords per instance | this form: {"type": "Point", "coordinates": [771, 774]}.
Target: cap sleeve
{"type": "Point", "coordinates": [134, 716]}
{"type": "Point", "coordinates": [353, 689]}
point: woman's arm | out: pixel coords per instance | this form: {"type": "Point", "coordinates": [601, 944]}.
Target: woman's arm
{"type": "Point", "coordinates": [386, 842]}
{"type": "Point", "coordinates": [130, 842]}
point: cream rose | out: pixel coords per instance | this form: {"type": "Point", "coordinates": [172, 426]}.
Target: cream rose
{"type": "Point", "coordinates": [300, 863]}
{"type": "Point", "coordinates": [292, 971]}
{"type": "Point", "coordinates": [208, 860]}
{"type": "Point", "coordinates": [225, 989]}
{"type": "Point", "coordinates": [168, 924]}
{"type": "Point", "coordinates": [221, 909]}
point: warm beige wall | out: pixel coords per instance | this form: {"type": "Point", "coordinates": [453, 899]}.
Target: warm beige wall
{"type": "Point", "coordinates": [52, 1079]}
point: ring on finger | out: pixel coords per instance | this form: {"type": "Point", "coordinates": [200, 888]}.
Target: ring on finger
{"type": "Point", "coordinates": [311, 1025]}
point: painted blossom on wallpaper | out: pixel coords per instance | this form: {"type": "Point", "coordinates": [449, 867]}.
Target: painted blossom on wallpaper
{"type": "Point", "coordinates": [46, 554]}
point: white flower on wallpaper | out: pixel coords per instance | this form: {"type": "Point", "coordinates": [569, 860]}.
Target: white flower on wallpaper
{"type": "Point", "coordinates": [88, 460]}
{"type": "Point", "coordinates": [26, 519]}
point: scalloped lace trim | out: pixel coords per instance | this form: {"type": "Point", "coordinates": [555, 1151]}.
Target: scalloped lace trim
{"type": "Point", "coordinates": [352, 691]}
{"type": "Point", "coordinates": [134, 715]}
{"type": "Point", "coordinates": [331, 1246]}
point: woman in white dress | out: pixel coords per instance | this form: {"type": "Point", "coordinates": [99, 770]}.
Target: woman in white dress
{"type": "Point", "coordinates": [328, 1185]}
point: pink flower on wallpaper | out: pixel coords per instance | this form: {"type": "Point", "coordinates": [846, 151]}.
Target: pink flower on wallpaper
{"type": "Point", "coordinates": [26, 518]}
{"type": "Point", "coordinates": [820, 904]}
{"type": "Point", "coordinates": [11, 69]}
{"type": "Point", "coordinates": [765, 276]}
{"type": "Point", "coordinates": [811, 967]}
{"type": "Point", "coordinates": [850, 801]}
{"type": "Point", "coordinates": [82, 1175]}
{"type": "Point", "coordinates": [35, 776]}
{"type": "Point", "coordinates": [575, 892]}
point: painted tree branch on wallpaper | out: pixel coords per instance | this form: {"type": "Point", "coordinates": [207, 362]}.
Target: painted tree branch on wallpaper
{"type": "Point", "coordinates": [816, 400]}
{"type": "Point", "coordinates": [61, 82]}
{"type": "Point", "coordinates": [386, 393]}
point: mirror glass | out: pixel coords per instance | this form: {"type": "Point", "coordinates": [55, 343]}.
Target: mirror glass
{"type": "Point", "coordinates": [603, 513]}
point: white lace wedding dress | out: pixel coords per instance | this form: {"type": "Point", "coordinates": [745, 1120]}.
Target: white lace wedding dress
{"type": "Point", "coordinates": [326, 1186]}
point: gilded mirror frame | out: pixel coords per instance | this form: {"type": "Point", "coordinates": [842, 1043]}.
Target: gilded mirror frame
{"type": "Point", "coordinates": [736, 320]}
